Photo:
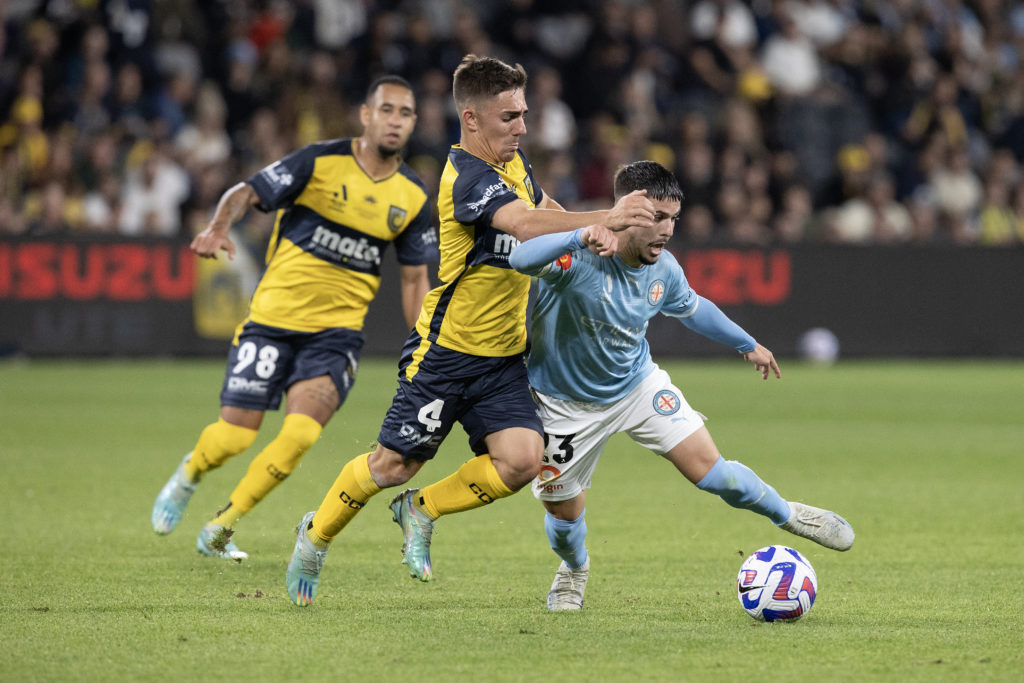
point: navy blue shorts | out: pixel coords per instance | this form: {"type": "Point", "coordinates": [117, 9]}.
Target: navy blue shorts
{"type": "Point", "coordinates": [483, 393]}
{"type": "Point", "coordinates": [267, 360]}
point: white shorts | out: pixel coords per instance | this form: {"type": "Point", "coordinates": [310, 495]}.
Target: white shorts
{"type": "Point", "coordinates": [655, 415]}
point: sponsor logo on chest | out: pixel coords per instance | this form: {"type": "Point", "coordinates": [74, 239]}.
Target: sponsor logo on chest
{"type": "Point", "coordinates": [327, 242]}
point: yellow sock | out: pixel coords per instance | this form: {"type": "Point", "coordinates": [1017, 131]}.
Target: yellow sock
{"type": "Point", "coordinates": [218, 442]}
{"type": "Point", "coordinates": [353, 487]}
{"type": "Point", "coordinates": [271, 466]}
{"type": "Point", "coordinates": [473, 485]}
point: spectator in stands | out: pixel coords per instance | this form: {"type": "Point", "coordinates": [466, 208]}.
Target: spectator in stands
{"type": "Point", "coordinates": [204, 140]}
{"type": "Point", "coordinates": [811, 85]}
{"type": "Point", "coordinates": [793, 223]}
{"type": "Point", "coordinates": [874, 217]}
{"type": "Point", "coordinates": [997, 221]}
{"type": "Point", "coordinates": [957, 187]}
{"type": "Point", "coordinates": [101, 208]}
{"type": "Point", "coordinates": [153, 193]}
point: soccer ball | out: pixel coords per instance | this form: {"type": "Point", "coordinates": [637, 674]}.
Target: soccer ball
{"type": "Point", "coordinates": [776, 583]}
{"type": "Point", "coordinates": [819, 345]}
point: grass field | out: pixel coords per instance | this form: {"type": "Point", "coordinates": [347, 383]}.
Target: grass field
{"type": "Point", "coordinates": [923, 458]}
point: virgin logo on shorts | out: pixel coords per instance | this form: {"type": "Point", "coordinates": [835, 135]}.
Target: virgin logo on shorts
{"type": "Point", "coordinates": [655, 292]}
{"type": "Point", "coordinates": [666, 402]}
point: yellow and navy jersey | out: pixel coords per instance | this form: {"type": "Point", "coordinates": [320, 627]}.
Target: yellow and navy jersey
{"type": "Point", "coordinates": [480, 307]}
{"type": "Point", "coordinates": [333, 224]}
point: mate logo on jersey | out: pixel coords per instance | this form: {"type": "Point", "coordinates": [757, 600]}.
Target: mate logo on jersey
{"type": "Point", "coordinates": [564, 261]}
{"type": "Point", "coordinates": [655, 292]}
{"type": "Point", "coordinates": [503, 245]}
{"type": "Point", "coordinates": [332, 245]}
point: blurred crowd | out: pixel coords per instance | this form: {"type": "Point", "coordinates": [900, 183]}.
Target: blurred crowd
{"type": "Point", "coordinates": [786, 121]}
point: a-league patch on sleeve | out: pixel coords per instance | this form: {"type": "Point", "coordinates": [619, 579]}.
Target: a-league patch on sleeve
{"type": "Point", "coordinates": [564, 262]}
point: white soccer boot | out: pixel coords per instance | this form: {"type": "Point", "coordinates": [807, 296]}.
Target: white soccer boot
{"type": "Point", "coordinates": [567, 589]}
{"type": "Point", "coordinates": [821, 526]}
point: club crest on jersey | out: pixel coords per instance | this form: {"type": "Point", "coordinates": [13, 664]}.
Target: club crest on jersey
{"type": "Point", "coordinates": [655, 292]}
{"type": "Point", "coordinates": [529, 189]}
{"type": "Point", "coordinates": [666, 402]}
{"type": "Point", "coordinates": [564, 261]}
{"type": "Point", "coordinates": [396, 218]}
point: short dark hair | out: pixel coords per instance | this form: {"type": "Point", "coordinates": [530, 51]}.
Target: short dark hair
{"type": "Point", "coordinates": [389, 79]}
{"type": "Point", "coordinates": [659, 182]}
{"type": "Point", "coordinates": [477, 78]}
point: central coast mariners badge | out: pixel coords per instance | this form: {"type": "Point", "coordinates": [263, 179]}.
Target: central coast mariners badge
{"type": "Point", "coordinates": [529, 188]}
{"type": "Point", "coordinates": [396, 218]}
{"type": "Point", "coordinates": [666, 402]}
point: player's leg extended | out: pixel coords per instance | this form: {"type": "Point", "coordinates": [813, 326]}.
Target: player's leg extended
{"type": "Point", "coordinates": [512, 461]}
{"type": "Point", "coordinates": [698, 460]}
{"type": "Point", "coordinates": [231, 434]}
{"type": "Point", "coordinates": [566, 528]}
{"type": "Point", "coordinates": [362, 477]}
{"type": "Point", "coordinates": [506, 434]}
{"type": "Point", "coordinates": [311, 403]}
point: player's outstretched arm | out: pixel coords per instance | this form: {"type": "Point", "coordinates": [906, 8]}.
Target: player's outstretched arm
{"type": "Point", "coordinates": [708, 319]}
{"type": "Point", "coordinates": [232, 205]}
{"type": "Point", "coordinates": [764, 361]}
{"type": "Point", "coordinates": [534, 256]}
{"type": "Point", "coordinates": [524, 223]}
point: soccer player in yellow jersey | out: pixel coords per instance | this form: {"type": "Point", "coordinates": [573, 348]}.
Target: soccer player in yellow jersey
{"type": "Point", "coordinates": [464, 361]}
{"type": "Point", "coordinates": [340, 203]}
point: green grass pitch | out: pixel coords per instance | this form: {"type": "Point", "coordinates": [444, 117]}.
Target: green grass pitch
{"type": "Point", "coordinates": [923, 458]}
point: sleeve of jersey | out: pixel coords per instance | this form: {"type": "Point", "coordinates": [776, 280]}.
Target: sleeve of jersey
{"type": "Point", "coordinates": [707, 319]}
{"type": "Point", "coordinates": [281, 182]}
{"type": "Point", "coordinates": [417, 244]}
{"type": "Point", "coordinates": [477, 193]}
{"type": "Point", "coordinates": [536, 256]}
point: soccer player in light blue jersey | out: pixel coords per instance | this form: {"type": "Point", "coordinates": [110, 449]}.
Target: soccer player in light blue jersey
{"type": "Point", "coordinates": [591, 370]}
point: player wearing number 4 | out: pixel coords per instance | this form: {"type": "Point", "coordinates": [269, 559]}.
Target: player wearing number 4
{"type": "Point", "coordinates": [464, 361]}
{"type": "Point", "coordinates": [340, 204]}
{"type": "Point", "coordinates": [592, 374]}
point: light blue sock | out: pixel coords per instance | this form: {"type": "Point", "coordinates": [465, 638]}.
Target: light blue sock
{"type": "Point", "coordinates": [567, 538]}
{"type": "Point", "coordinates": [737, 485]}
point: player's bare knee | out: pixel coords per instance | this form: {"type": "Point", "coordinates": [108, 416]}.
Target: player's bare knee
{"type": "Point", "coordinates": [519, 470]}
{"type": "Point", "coordinates": [388, 468]}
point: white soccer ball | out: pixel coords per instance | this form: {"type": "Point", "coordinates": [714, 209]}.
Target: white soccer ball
{"type": "Point", "coordinates": [776, 583]}
{"type": "Point", "coordinates": [819, 345]}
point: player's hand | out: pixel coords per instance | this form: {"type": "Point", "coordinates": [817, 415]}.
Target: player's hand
{"type": "Point", "coordinates": [632, 209]}
{"type": "Point", "coordinates": [600, 240]}
{"type": "Point", "coordinates": [211, 241]}
{"type": "Point", "coordinates": [764, 361]}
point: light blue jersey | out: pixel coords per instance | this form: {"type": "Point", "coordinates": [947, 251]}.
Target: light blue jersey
{"type": "Point", "coordinates": [591, 314]}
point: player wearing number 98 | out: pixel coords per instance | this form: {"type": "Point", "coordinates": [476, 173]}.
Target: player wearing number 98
{"type": "Point", "coordinates": [339, 204]}
{"type": "Point", "coordinates": [593, 376]}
